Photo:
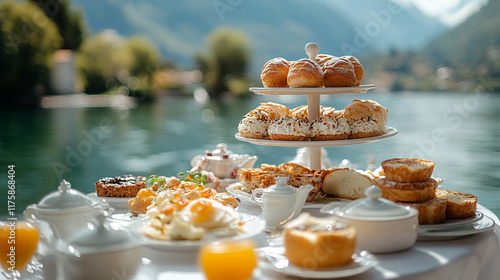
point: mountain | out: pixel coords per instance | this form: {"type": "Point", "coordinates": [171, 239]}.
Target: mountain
{"type": "Point", "coordinates": [275, 28]}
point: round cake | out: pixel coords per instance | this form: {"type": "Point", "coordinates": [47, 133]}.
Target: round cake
{"type": "Point", "coordinates": [408, 170]}
{"type": "Point", "coordinates": [407, 192]}
{"type": "Point", "coordinates": [120, 186]}
{"type": "Point", "coordinates": [432, 211]}
{"type": "Point", "coordinates": [330, 128]}
{"type": "Point", "coordinates": [316, 243]}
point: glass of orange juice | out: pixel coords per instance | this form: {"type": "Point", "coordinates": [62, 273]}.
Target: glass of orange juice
{"type": "Point", "coordinates": [234, 260]}
{"type": "Point", "coordinates": [18, 243]}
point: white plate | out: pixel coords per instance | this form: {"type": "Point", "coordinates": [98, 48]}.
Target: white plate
{"type": "Point", "coordinates": [252, 227]}
{"type": "Point", "coordinates": [115, 202]}
{"type": "Point", "coordinates": [317, 91]}
{"type": "Point", "coordinates": [449, 233]}
{"type": "Point", "coordinates": [273, 258]}
{"type": "Point", "coordinates": [247, 197]}
{"type": "Point", "coordinates": [453, 222]}
{"type": "Point", "coordinates": [389, 132]}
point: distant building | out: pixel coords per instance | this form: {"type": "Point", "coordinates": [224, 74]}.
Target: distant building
{"type": "Point", "coordinates": [63, 73]}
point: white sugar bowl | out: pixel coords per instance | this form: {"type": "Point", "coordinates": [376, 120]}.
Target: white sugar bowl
{"type": "Point", "coordinates": [382, 226]}
{"type": "Point", "coordinates": [66, 210]}
{"type": "Point", "coordinates": [103, 250]}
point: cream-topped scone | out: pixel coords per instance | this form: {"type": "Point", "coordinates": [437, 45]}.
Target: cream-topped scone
{"type": "Point", "coordinates": [329, 128]}
{"type": "Point", "coordinates": [256, 122]}
{"type": "Point", "coordinates": [290, 129]}
{"type": "Point", "coordinates": [366, 118]}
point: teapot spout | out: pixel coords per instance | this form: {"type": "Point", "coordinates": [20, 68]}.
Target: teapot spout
{"type": "Point", "coordinates": [249, 162]}
{"type": "Point", "coordinates": [301, 198]}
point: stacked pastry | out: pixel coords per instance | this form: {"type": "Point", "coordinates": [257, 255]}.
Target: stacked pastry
{"type": "Point", "coordinates": [325, 71]}
{"type": "Point", "coordinates": [361, 118]}
{"type": "Point", "coordinates": [408, 181]}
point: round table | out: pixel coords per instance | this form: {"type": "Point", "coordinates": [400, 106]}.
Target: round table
{"type": "Point", "coordinates": [472, 257]}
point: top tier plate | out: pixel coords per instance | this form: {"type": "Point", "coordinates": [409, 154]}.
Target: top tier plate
{"type": "Point", "coordinates": [316, 91]}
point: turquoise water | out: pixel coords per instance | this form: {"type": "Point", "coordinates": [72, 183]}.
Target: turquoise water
{"type": "Point", "coordinates": [459, 132]}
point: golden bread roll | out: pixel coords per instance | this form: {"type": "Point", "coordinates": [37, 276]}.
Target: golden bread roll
{"type": "Point", "coordinates": [407, 192]}
{"type": "Point", "coordinates": [305, 73]}
{"type": "Point", "coordinates": [274, 73]}
{"type": "Point", "coordinates": [339, 72]}
{"type": "Point", "coordinates": [321, 59]}
{"type": "Point", "coordinates": [432, 211]}
{"type": "Point", "coordinates": [362, 112]}
{"type": "Point", "coordinates": [316, 243]}
{"type": "Point", "coordinates": [358, 69]}
{"type": "Point", "coordinates": [346, 183]}
{"type": "Point", "coordinates": [459, 205]}
{"type": "Point", "coordinates": [407, 170]}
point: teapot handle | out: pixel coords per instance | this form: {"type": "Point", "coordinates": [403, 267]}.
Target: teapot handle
{"type": "Point", "coordinates": [256, 198]}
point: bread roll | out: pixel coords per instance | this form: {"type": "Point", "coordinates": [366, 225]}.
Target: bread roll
{"type": "Point", "coordinates": [346, 183]}
{"type": "Point", "coordinates": [305, 73]}
{"type": "Point", "coordinates": [321, 59]}
{"type": "Point", "coordinates": [358, 69]}
{"type": "Point", "coordinates": [459, 205]}
{"type": "Point", "coordinates": [275, 72]}
{"type": "Point", "coordinates": [316, 243]}
{"type": "Point", "coordinates": [339, 72]}
{"type": "Point", "coordinates": [407, 192]}
{"type": "Point", "coordinates": [432, 211]}
{"type": "Point", "coordinates": [407, 170]}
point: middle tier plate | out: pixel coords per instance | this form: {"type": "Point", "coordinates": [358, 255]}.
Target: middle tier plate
{"type": "Point", "coordinates": [389, 132]}
{"type": "Point", "coordinates": [314, 91]}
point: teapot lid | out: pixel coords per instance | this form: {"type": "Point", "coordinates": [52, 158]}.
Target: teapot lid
{"type": "Point", "coordinates": [280, 187]}
{"type": "Point", "coordinates": [99, 236]}
{"type": "Point", "coordinates": [373, 207]}
{"type": "Point", "coordinates": [220, 151]}
{"type": "Point", "coordinates": [64, 198]}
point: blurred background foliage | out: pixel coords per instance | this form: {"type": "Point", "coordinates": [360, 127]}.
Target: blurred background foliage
{"type": "Point", "coordinates": [459, 59]}
{"type": "Point", "coordinates": [28, 39]}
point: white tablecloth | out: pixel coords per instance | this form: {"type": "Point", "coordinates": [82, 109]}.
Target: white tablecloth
{"type": "Point", "coordinates": [467, 258]}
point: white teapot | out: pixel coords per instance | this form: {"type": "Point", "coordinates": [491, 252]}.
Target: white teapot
{"type": "Point", "coordinates": [280, 202]}
{"type": "Point", "coordinates": [222, 162]}
{"type": "Point", "coordinates": [66, 210]}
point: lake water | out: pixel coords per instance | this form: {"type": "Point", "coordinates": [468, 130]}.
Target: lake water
{"type": "Point", "coordinates": [460, 132]}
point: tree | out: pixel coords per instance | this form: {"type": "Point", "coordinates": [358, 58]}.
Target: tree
{"type": "Point", "coordinates": [225, 64]}
{"type": "Point", "coordinates": [70, 23]}
{"type": "Point", "coordinates": [28, 40]}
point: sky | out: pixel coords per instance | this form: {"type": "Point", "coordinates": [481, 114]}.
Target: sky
{"type": "Point", "coordinates": [450, 12]}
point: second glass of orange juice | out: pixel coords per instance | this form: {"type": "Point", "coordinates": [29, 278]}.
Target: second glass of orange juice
{"type": "Point", "coordinates": [18, 244]}
{"type": "Point", "coordinates": [234, 260]}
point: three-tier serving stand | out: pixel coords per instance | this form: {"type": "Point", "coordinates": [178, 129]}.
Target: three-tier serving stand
{"type": "Point", "coordinates": [314, 104]}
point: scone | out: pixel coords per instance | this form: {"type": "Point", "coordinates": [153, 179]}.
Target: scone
{"type": "Point", "coordinates": [256, 123]}
{"type": "Point", "coordinates": [275, 72]}
{"type": "Point", "coordinates": [120, 186]}
{"type": "Point", "coordinates": [407, 192]}
{"type": "Point", "coordinates": [408, 170]}
{"type": "Point", "coordinates": [330, 128]}
{"type": "Point", "coordinates": [316, 243]}
{"type": "Point", "coordinates": [432, 211]}
{"type": "Point", "coordinates": [305, 73]}
{"type": "Point", "coordinates": [339, 72]}
{"type": "Point", "coordinates": [366, 118]}
{"type": "Point", "coordinates": [290, 129]}
{"type": "Point", "coordinates": [459, 205]}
